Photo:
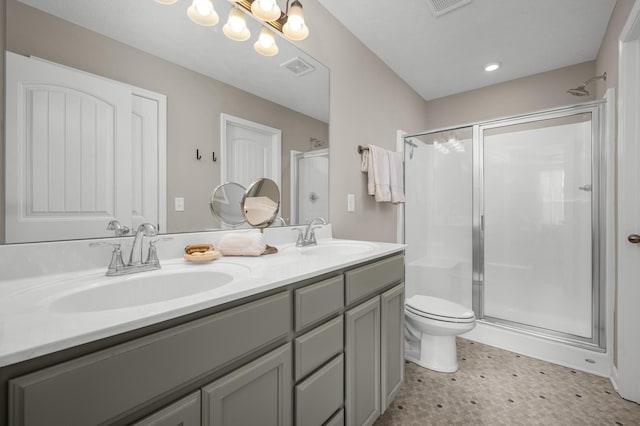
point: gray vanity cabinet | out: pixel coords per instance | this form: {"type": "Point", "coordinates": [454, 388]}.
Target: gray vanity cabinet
{"type": "Point", "coordinates": [373, 339]}
{"type": "Point", "coordinates": [320, 352]}
{"type": "Point", "coordinates": [257, 394]}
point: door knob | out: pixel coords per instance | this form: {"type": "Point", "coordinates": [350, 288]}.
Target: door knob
{"type": "Point", "coordinates": [634, 238]}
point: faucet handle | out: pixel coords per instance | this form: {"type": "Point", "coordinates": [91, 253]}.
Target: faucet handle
{"type": "Point", "coordinates": [300, 240]}
{"type": "Point", "coordinates": [152, 254]}
{"type": "Point", "coordinates": [119, 230]}
{"type": "Point", "coordinates": [116, 262]}
{"type": "Point", "coordinates": [312, 234]}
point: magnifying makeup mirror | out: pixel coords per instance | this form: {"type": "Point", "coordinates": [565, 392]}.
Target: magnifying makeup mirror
{"type": "Point", "coordinates": [226, 204]}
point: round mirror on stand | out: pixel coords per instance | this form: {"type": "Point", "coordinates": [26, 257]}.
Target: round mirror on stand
{"type": "Point", "coordinates": [226, 204]}
{"type": "Point", "coordinates": [260, 204]}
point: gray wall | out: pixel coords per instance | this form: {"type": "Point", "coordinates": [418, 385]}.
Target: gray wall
{"type": "Point", "coordinates": [368, 103]}
{"type": "Point", "coordinates": [527, 94]}
{"type": "Point", "coordinates": [194, 104]}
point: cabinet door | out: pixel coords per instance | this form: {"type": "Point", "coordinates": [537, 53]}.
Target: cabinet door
{"type": "Point", "coordinates": [362, 352]}
{"type": "Point", "coordinates": [257, 394]}
{"type": "Point", "coordinates": [185, 412]}
{"type": "Point", "coordinates": [392, 344]}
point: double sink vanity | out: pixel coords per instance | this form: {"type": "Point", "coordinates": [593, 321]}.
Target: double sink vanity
{"type": "Point", "coordinates": [307, 336]}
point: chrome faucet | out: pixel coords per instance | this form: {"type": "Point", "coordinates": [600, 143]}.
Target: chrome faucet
{"type": "Point", "coordinates": [144, 230]}
{"type": "Point", "coordinates": [308, 238]}
{"type": "Point", "coordinates": [117, 266]}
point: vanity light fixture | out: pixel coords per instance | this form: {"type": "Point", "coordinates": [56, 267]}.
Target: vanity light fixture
{"type": "Point", "coordinates": [492, 66]}
{"type": "Point", "coordinates": [266, 44]}
{"type": "Point", "coordinates": [290, 23]}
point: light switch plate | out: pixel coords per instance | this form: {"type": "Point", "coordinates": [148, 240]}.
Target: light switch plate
{"type": "Point", "coordinates": [351, 202]}
{"type": "Point", "coordinates": [179, 204]}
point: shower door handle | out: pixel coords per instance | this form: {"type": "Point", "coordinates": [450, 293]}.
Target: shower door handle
{"type": "Point", "coordinates": [634, 238]}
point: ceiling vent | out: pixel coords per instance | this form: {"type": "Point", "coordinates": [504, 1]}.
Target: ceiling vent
{"type": "Point", "coordinates": [298, 66]}
{"type": "Point", "coordinates": [440, 7]}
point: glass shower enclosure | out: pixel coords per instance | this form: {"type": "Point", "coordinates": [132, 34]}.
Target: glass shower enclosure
{"type": "Point", "coordinates": [504, 217]}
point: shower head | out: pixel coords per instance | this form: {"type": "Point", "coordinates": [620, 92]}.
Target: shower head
{"type": "Point", "coordinates": [581, 90]}
{"type": "Point", "coordinates": [578, 91]}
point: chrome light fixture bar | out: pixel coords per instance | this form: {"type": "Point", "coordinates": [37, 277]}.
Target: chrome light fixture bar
{"type": "Point", "coordinates": [290, 23]}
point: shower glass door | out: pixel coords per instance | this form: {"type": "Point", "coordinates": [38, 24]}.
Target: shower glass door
{"type": "Point", "coordinates": [536, 212]}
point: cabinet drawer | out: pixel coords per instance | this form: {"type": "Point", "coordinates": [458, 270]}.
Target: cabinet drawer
{"type": "Point", "coordinates": [319, 396]}
{"type": "Point", "coordinates": [337, 419]}
{"type": "Point", "coordinates": [185, 412]}
{"type": "Point", "coordinates": [99, 387]}
{"type": "Point", "coordinates": [318, 346]}
{"type": "Point", "coordinates": [369, 279]}
{"type": "Point", "coordinates": [317, 301]}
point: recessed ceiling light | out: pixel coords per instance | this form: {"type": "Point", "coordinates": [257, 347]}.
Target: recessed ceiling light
{"type": "Point", "coordinates": [492, 66]}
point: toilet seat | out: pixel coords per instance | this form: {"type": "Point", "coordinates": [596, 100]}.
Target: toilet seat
{"type": "Point", "coordinates": [439, 309]}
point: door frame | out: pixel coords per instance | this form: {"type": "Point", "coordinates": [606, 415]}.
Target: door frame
{"type": "Point", "coordinates": [276, 143]}
{"type": "Point", "coordinates": [626, 372]}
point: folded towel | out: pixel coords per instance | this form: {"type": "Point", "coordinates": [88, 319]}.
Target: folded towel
{"type": "Point", "coordinates": [242, 244]}
{"type": "Point", "coordinates": [396, 177]}
{"type": "Point", "coordinates": [379, 165]}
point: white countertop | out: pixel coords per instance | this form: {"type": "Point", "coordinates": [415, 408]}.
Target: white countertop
{"type": "Point", "coordinates": [31, 325]}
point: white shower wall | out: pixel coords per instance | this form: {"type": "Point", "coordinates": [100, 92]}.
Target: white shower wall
{"type": "Point", "coordinates": [438, 218]}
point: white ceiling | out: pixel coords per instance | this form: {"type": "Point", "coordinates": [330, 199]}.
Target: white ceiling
{"type": "Point", "coordinates": [441, 56]}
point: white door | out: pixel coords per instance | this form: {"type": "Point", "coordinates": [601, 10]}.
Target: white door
{"type": "Point", "coordinates": [65, 129]}
{"type": "Point", "coordinates": [628, 297]}
{"type": "Point", "coordinates": [249, 151]}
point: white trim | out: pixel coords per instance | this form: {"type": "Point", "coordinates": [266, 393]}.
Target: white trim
{"type": "Point", "coordinates": [293, 186]}
{"type": "Point", "coordinates": [400, 210]}
{"type": "Point", "coordinates": [627, 377]}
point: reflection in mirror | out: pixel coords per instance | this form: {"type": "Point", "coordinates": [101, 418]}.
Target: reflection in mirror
{"type": "Point", "coordinates": [261, 202]}
{"type": "Point", "coordinates": [226, 202]}
{"type": "Point", "coordinates": [201, 73]}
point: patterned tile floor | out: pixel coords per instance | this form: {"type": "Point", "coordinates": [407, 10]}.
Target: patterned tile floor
{"type": "Point", "coordinates": [497, 387]}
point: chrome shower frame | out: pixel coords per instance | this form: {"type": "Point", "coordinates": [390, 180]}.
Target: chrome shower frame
{"type": "Point", "coordinates": [597, 341]}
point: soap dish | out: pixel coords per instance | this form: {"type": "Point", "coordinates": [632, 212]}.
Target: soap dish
{"type": "Point", "coordinates": [203, 257]}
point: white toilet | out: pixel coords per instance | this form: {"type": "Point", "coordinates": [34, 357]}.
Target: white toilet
{"type": "Point", "coordinates": [434, 324]}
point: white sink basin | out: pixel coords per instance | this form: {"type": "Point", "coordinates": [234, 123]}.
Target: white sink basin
{"type": "Point", "coordinates": [141, 289]}
{"type": "Point", "coordinates": [336, 248]}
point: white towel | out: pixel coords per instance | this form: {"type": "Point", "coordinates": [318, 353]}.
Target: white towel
{"type": "Point", "coordinates": [396, 177]}
{"type": "Point", "coordinates": [242, 244]}
{"type": "Point", "coordinates": [379, 172]}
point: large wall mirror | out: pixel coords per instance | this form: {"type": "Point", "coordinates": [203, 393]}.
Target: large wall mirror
{"type": "Point", "coordinates": [203, 76]}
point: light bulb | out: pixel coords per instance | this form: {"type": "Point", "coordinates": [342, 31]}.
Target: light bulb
{"type": "Point", "coordinates": [204, 7]}
{"type": "Point", "coordinates": [202, 13]}
{"type": "Point", "coordinates": [236, 26]}
{"type": "Point", "coordinates": [266, 40]}
{"type": "Point", "coordinates": [266, 5]}
{"type": "Point", "coordinates": [265, 10]}
{"type": "Point", "coordinates": [295, 28]}
{"type": "Point", "coordinates": [266, 44]}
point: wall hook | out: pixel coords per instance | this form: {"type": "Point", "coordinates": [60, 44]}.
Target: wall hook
{"type": "Point", "coordinates": [198, 156]}
{"type": "Point", "coordinates": [214, 157]}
